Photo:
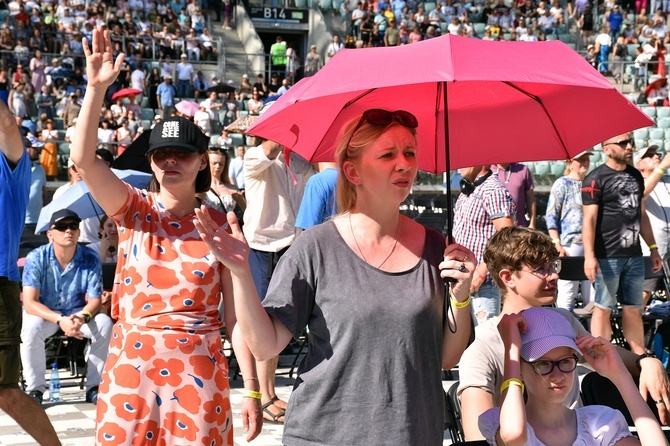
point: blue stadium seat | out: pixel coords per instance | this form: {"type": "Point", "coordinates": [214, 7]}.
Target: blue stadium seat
{"type": "Point", "coordinates": [658, 142]}
{"type": "Point", "coordinates": [479, 28]}
{"type": "Point", "coordinates": [667, 134]}
{"type": "Point", "coordinates": [649, 111]}
{"type": "Point", "coordinates": [147, 114]}
{"type": "Point", "coordinates": [663, 112]}
{"type": "Point", "coordinates": [146, 124]}
{"type": "Point", "coordinates": [596, 158]}
{"type": "Point", "coordinates": [237, 139]}
{"type": "Point", "coordinates": [641, 134]}
{"type": "Point", "coordinates": [212, 140]}
{"type": "Point", "coordinates": [326, 5]}
{"type": "Point", "coordinates": [655, 133]}
{"type": "Point", "coordinates": [429, 6]}
{"type": "Point", "coordinates": [542, 169]}
{"type": "Point", "coordinates": [663, 123]}
{"type": "Point", "coordinates": [557, 168]}
{"type": "Point", "coordinates": [565, 38]}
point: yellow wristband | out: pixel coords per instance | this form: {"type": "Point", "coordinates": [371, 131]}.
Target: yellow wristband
{"type": "Point", "coordinates": [252, 394]}
{"type": "Point", "coordinates": [654, 246]}
{"type": "Point", "coordinates": [659, 171]}
{"type": "Point", "coordinates": [512, 382]}
{"type": "Point", "coordinates": [458, 304]}
{"type": "Point", "coordinates": [555, 240]}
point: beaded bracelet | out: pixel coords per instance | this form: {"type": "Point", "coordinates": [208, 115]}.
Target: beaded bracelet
{"type": "Point", "coordinates": [512, 382]}
{"type": "Point", "coordinates": [252, 394]}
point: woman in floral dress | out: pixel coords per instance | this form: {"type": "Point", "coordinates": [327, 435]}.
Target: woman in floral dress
{"type": "Point", "coordinates": [166, 377]}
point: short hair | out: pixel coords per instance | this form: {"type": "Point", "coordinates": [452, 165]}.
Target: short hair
{"type": "Point", "coordinates": [349, 147]}
{"type": "Point", "coordinates": [513, 247]}
{"type": "Point", "coordinates": [203, 179]}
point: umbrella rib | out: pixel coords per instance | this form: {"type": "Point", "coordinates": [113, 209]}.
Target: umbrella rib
{"type": "Point", "coordinates": [539, 101]}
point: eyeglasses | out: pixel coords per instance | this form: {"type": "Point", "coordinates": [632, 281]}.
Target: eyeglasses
{"type": "Point", "coordinates": [547, 269]}
{"type": "Point", "coordinates": [623, 144]}
{"type": "Point", "coordinates": [218, 149]}
{"type": "Point", "coordinates": [62, 227]}
{"type": "Point", "coordinates": [382, 118]}
{"type": "Point", "coordinates": [545, 367]}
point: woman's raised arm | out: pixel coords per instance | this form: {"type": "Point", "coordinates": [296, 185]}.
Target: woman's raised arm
{"type": "Point", "coordinates": [107, 189]}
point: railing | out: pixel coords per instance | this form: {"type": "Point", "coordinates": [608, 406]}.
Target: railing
{"type": "Point", "coordinates": [629, 80]}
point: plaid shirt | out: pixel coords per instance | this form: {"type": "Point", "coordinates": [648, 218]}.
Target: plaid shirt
{"type": "Point", "coordinates": [474, 214]}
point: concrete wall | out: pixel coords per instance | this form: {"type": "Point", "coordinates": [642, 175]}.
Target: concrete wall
{"type": "Point", "coordinates": [251, 43]}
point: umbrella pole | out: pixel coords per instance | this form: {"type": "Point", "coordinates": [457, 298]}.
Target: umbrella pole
{"type": "Point", "coordinates": [447, 161]}
{"type": "Point", "coordinates": [88, 194]}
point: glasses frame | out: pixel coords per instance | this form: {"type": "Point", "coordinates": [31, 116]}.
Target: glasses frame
{"type": "Point", "coordinates": [623, 143]}
{"type": "Point", "coordinates": [382, 118]}
{"type": "Point", "coordinates": [554, 364]}
{"type": "Point", "coordinates": [62, 227]}
{"type": "Point", "coordinates": [555, 266]}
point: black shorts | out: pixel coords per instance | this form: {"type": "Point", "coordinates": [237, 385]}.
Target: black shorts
{"type": "Point", "coordinates": [10, 333]}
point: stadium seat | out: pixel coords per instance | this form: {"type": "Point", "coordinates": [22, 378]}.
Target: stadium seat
{"type": "Point", "coordinates": [561, 29]}
{"type": "Point", "coordinates": [147, 114]}
{"type": "Point", "coordinates": [640, 134]}
{"type": "Point", "coordinates": [572, 45]}
{"type": "Point", "coordinates": [145, 102]}
{"type": "Point", "coordinates": [667, 134]}
{"type": "Point", "coordinates": [595, 158]}
{"type": "Point", "coordinates": [531, 167]}
{"type": "Point", "coordinates": [337, 4]}
{"type": "Point", "coordinates": [429, 6]}
{"type": "Point", "coordinates": [64, 149]}
{"type": "Point", "coordinates": [565, 38]}
{"type": "Point", "coordinates": [655, 133]}
{"type": "Point", "coordinates": [479, 28]}
{"type": "Point", "coordinates": [557, 168]}
{"type": "Point", "coordinates": [326, 5]}
{"type": "Point", "coordinates": [59, 123]}
{"type": "Point", "coordinates": [663, 123]}
{"type": "Point", "coordinates": [542, 169]}
{"type": "Point", "coordinates": [649, 111]}
{"type": "Point", "coordinates": [658, 142]}
{"type": "Point", "coordinates": [662, 112]}
{"type": "Point", "coordinates": [237, 138]}
{"type": "Point", "coordinates": [551, 37]}
{"type": "Point", "coordinates": [212, 141]}
{"type": "Point", "coordinates": [146, 124]}
{"type": "Point", "coordinates": [301, 4]}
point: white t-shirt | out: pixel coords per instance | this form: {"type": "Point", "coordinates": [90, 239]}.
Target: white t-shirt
{"type": "Point", "coordinates": [137, 79]}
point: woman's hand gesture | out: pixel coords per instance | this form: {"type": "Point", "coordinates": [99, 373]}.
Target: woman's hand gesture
{"type": "Point", "coordinates": [231, 249]}
{"type": "Point", "coordinates": [601, 355]}
{"type": "Point", "coordinates": [101, 69]}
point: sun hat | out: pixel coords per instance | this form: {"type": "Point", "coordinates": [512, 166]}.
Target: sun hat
{"type": "Point", "coordinates": [637, 156]}
{"type": "Point", "coordinates": [177, 133]}
{"type": "Point", "coordinates": [545, 330]}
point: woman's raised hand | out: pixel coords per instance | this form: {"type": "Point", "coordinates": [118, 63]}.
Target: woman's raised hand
{"type": "Point", "coordinates": [231, 249]}
{"type": "Point", "coordinates": [602, 355]}
{"type": "Point", "coordinates": [459, 265]}
{"type": "Point", "coordinates": [101, 69]}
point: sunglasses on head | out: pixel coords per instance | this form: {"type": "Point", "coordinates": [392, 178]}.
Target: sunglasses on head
{"type": "Point", "coordinates": [382, 118]}
{"type": "Point", "coordinates": [62, 227]}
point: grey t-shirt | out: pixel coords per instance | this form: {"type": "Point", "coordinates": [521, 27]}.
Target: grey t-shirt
{"type": "Point", "coordinates": [483, 362]}
{"type": "Point", "coordinates": [372, 373]}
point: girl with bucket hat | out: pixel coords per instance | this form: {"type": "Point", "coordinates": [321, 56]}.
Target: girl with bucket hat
{"type": "Point", "coordinates": [541, 356]}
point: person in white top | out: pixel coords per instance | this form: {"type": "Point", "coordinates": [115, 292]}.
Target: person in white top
{"type": "Point", "coordinates": [137, 81]}
{"type": "Point", "coordinates": [185, 73]}
{"type": "Point", "coordinates": [542, 349]}
{"type": "Point", "coordinates": [334, 47]}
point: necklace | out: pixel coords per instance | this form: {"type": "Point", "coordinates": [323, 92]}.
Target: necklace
{"type": "Point", "coordinates": [351, 228]}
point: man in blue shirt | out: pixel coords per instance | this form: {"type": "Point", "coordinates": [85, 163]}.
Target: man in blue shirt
{"type": "Point", "coordinates": [236, 168]}
{"type": "Point", "coordinates": [14, 189]}
{"type": "Point", "coordinates": [318, 203]}
{"type": "Point", "coordinates": [62, 286]}
{"type": "Point", "coordinates": [165, 95]}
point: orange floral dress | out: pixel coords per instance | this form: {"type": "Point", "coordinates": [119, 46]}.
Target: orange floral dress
{"type": "Point", "coordinates": [166, 377]}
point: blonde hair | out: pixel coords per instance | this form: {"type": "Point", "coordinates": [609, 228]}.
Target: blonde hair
{"type": "Point", "coordinates": [350, 147]}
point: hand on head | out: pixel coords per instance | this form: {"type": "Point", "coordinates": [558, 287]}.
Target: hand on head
{"type": "Point", "coordinates": [602, 356]}
{"type": "Point", "coordinates": [511, 327]}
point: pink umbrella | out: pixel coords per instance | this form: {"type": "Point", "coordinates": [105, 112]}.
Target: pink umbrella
{"type": "Point", "coordinates": [187, 108]}
{"type": "Point", "coordinates": [505, 102]}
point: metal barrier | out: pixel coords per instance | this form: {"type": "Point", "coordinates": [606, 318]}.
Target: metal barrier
{"type": "Point", "coordinates": [630, 81]}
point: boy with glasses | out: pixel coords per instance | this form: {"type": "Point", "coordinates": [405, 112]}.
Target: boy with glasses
{"type": "Point", "coordinates": [614, 220]}
{"type": "Point", "coordinates": [524, 265]}
{"type": "Point", "coordinates": [62, 286]}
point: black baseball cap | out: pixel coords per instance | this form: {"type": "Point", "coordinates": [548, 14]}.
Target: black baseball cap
{"type": "Point", "coordinates": [177, 133]}
{"type": "Point", "coordinates": [106, 155]}
{"type": "Point", "coordinates": [63, 214]}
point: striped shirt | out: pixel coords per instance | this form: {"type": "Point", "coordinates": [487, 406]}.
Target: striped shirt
{"type": "Point", "coordinates": [474, 214]}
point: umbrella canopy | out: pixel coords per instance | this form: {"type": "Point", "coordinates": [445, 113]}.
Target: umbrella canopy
{"type": "Point", "coordinates": [658, 83]}
{"type": "Point", "coordinates": [78, 199]}
{"type": "Point", "coordinates": [125, 92]}
{"type": "Point", "coordinates": [135, 156]}
{"type": "Point", "coordinates": [481, 102]}
{"type": "Point", "coordinates": [61, 73]}
{"type": "Point", "coordinates": [221, 88]}
{"type": "Point", "coordinates": [241, 124]}
{"type": "Point", "coordinates": [187, 108]}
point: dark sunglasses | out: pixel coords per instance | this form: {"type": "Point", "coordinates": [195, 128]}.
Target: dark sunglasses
{"type": "Point", "coordinates": [382, 118]}
{"type": "Point", "coordinates": [623, 144]}
{"type": "Point", "coordinates": [62, 227]}
{"type": "Point", "coordinates": [218, 149]}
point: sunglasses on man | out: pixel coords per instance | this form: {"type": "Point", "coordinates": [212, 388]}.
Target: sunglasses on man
{"type": "Point", "coordinates": [62, 227]}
